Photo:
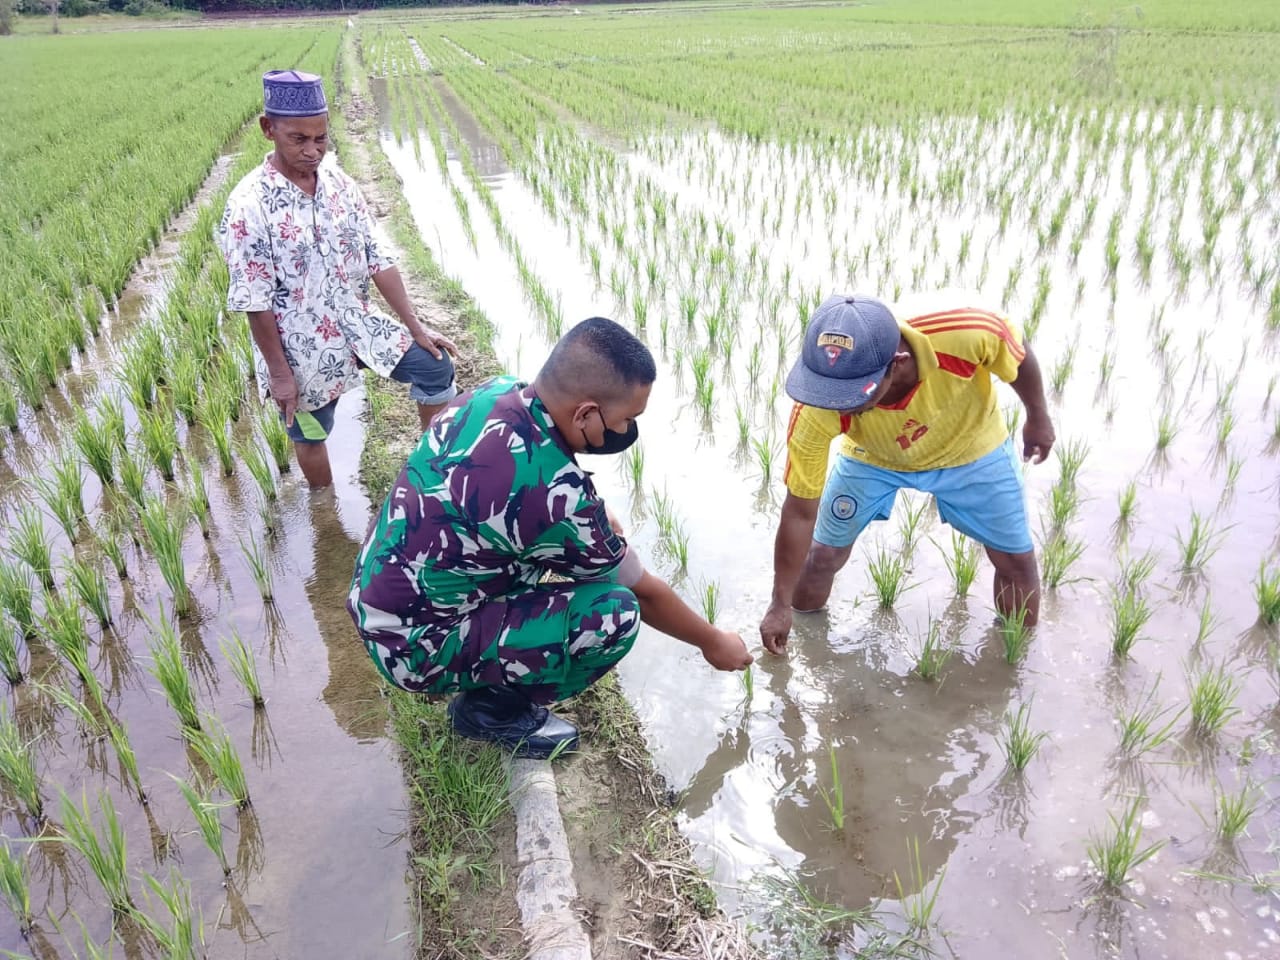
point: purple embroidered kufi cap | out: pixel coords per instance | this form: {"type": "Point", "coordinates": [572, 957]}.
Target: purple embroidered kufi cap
{"type": "Point", "coordinates": [292, 93]}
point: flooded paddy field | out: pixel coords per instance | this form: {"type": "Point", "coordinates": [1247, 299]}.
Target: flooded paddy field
{"type": "Point", "coordinates": [160, 575]}
{"type": "Point", "coordinates": [707, 179]}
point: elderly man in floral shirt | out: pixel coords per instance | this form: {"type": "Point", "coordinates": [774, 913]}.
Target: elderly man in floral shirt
{"type": "Point", "coordinates": [301, 250]}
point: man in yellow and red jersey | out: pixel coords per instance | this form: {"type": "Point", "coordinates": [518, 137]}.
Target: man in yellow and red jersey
{"type": "Point", "coordinates": [910, 392]}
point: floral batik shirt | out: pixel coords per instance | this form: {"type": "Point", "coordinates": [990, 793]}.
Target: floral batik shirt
{"type": "Point", "coordinates": [309, 260]}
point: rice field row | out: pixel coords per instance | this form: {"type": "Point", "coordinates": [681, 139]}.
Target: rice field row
{"type": "Point", "coordinates": [105, 143]}
{"type": "Point", "coordinates": [143, 524]}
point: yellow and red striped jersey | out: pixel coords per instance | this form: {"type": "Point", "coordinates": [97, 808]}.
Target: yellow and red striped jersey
{"type": "Point", "coordinates": [949, 418]}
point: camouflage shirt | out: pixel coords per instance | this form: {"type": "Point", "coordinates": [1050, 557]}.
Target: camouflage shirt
{"type": "Point", "coordinates": [490, 501]}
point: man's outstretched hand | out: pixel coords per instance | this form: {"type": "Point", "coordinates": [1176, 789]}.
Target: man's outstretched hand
{"type": "Point", "coordinates": [726, 651]}
{"type": "Point", "coordinates": [776, 627]}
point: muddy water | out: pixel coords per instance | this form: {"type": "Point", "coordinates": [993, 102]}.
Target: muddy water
{"type": "Point", "coordinates": [319, 858]}
{"type": "Point", "coordinates": [920, 763]}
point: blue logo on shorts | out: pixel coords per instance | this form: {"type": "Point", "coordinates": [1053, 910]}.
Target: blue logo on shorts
{"type": "Point", "coordinates": [844, 507]}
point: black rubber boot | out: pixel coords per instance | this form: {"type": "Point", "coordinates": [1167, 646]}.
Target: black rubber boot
{"type": "Point", "coordinates": [505, 716]}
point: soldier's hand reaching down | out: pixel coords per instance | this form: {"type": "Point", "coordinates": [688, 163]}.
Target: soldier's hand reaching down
{"type": "Point", "coordinates": [726, 651]}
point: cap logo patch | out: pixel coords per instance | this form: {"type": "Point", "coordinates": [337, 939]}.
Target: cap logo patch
{"type": "Point", "coordinates": [833, 344]}
{"type": "Point", "coordinates": [869, 389]}
{"type": "Point", "coordinates": [841, 340]}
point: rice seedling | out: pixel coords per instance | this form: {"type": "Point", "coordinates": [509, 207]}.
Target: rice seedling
{"type": "Point", "coordinates": [213, 415]}
{"type": "Point", "coordinates": [1014, 634]}
{"type": "Point", "coordinates": [207, 819]}
{"type": "Point", "coordinates": [765, 453]}
{"type": "Point", "coordinates": [170, 670]}
{"type": "Point", "coordinates": [111, 541]}
{"type": "Point", "coordinates": [1135, 571]}
{"type": "Point", "coordinates": [96, 446]}
{"type": "Point", "coordinates": [129, 772]}
{"type": "Point", "coordinates": [133, 477]}
{"type": "Point", "coordinates": [1127, 503]}
{"type": "Point", "coordinates": [106, 855]}
{"type": "Point", "coordinates": [112, 422]}
{"type": "Point", "coordinates": [196, 499]}
{"type": "Point", "coordinates": [635, 467]}
{"type": "Point", "coordinates": [62, 629]}
{"type": "Point", "coordinates": [1019, 743]}
{"type": "Point", "coordinates": [91, 587]}
{"type": "Point", "coordinates": [8, 407]}
{"type": "Point", "coordinates": [1166, 430]}
{"type": "Point", "coordinates": [220, 756]}
{"type": "Point", "coordinates": [1234, 466]}
{"type": "Point", "coordinates": [1266, 590]}
{"type": "Point", "coordinates": [29, 542]}
{"type": "Point", "coordinates": [184, 384]}
{"type": "Point", "coordinates": [680, 547]}
{"type": "Point", "coordinates": [748, 683]}
{"type": "Point", "coordinates": [276, 436]}
{"type": "Point", "coordinates": [1129, 614]}
{"type": "Point", "coordinates": [934, 652]}
{"type": "Point", "coordinates": [1060, 375]}
{"type": "Point", "coordinates": [918, 908]}
{"type": "Point", "coordinates": [1213, 698]}
{"type": "Point", "coordinates": [259, 468]}
{"type": "Point", "coordinates": [710, 600]}
{"type": "Point", "coordinates": [913, 510]}
{"type": "Point", "coordinates": [184, 939]}
{"type": "Point", "coordinates": [159, 434]}
{"type": "Point", "coordinates": [10, 655]}
{"type": "Point", "coordinates": [139, 379]}
{"type": "Point", "coordinates": [888, 575]}
{"type": "Point", "coordinates": [259, 566]}
{"type": "Point", "coordinates": [1199, 545]}
{"type": "Point", "coordinates": [833, 797]}
{"type": "Point", "coordinates": [962, 562]}
{"type": "Point", "coordinates": [18, 769]}
{"type": "Point", "coordinates": [164, 529]}
{"type": "Point", "coordinates": [1207, 621]}
{"type": "Point", "coordinates": [243, 666]}
{"type": "Point", "coordinates": [1058, 554]}
{"type": "Point", "coordinates": [1064, 504]}
{"type": "Point", "coordinates": [1071, 457]}
{"type": "Point", "coordinates": [1147, 725]}
{"type": "Point", "coordinates": [65, 503]}
{"type": "Point", "coordinates": [16, 596]}
{"type": "Point", "coordinates": [1115, 855]}
{"type": "Point", "coordinates": [14, 887]}
{"type": "Point", "coordinates": [1235, 810]}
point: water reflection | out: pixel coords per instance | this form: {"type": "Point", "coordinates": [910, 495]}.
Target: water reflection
{"type": "Point", "coordinates": [353, 692]}
{"type": "Point", "coordinates": [844, 689]}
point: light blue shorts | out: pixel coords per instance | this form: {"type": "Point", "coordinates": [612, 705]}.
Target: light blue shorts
{"type": "Point", "coordinates": [983, 500]}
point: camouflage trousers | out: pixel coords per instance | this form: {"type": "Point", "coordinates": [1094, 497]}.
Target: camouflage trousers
{"type": "Point", "coordinates": [553, 640]}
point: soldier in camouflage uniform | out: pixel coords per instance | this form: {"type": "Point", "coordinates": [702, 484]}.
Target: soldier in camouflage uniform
{"type": "Point", "coordinates": [450, 591]}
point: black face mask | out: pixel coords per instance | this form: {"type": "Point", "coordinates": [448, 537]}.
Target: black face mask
{"type": "Point", "coordinates": [614, 442]}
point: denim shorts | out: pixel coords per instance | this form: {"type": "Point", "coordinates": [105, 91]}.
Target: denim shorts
{"type": "Point", "coordinates": [983, 499]}
{"type": "Point", "coordinates": [430, 382]}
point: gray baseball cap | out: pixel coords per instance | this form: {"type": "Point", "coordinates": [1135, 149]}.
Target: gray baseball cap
{"type": "Point", "coordinates": [847, 348]}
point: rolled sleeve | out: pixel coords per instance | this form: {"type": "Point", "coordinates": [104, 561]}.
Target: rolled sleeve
{"type": "Point", "coordinates": [582, 546]}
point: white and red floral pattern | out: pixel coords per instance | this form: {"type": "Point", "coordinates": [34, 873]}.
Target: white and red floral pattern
{"type": "Point", "coordinates": [309, 260]}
